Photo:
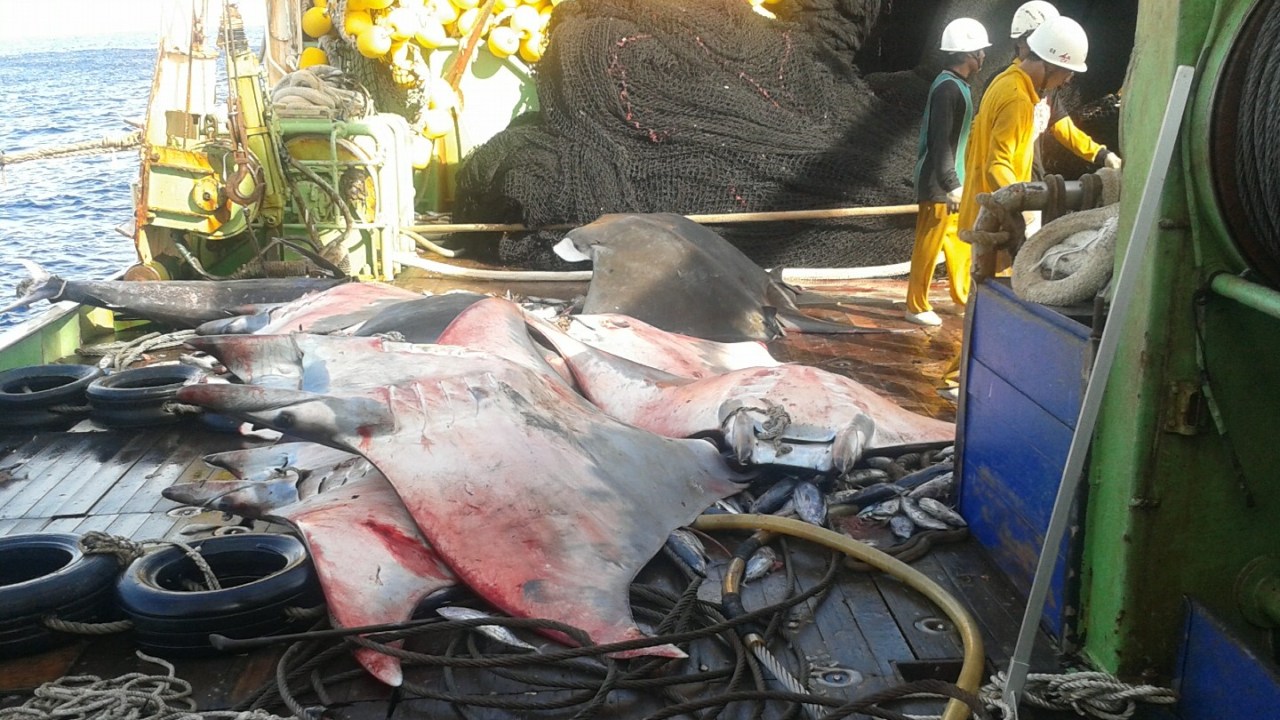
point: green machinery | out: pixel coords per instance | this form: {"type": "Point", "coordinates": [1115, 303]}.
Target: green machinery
{"type": "Point", "coordinates": [235, 189]}
{"type": "Point", "coordinates": [1183, 497]}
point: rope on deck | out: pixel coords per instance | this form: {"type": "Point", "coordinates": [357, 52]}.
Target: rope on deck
{"type": "Point", "coordinates": [100, 146]}
{"type": "Point", "coordinates": [126, 550]}
{"type": "Point", "coordinates": [137, 696]}
{"type": "Point", "coordinates": [1089, 694]}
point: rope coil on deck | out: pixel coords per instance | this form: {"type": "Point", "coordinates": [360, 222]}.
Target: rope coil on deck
{"type": "Point", "coordinates": [135, 696]}
{"type": "Point", "coordinates": [1090, 694]}
{"type": "Point", "coordinates": [126, 551]}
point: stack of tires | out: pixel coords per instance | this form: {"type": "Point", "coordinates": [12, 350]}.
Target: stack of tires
{"type": "Point", "coordinates": [45, 575]}
{"type": "Point", "coordinates": [262, 577]}
{"type": "Point", "coordinates": [139, 397]}
{"type": "Point", "coordinates": [44, 397]}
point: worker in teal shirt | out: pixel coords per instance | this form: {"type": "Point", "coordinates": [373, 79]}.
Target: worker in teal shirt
{"type": "Point", "coordinates": [939, 172]}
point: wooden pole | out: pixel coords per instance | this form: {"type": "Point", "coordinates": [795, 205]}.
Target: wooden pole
{"type": "Point", "coordinates": [712, 219]}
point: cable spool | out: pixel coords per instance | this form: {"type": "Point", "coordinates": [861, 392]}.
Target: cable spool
{"type": "Point", "coordinates": [1245, 140]}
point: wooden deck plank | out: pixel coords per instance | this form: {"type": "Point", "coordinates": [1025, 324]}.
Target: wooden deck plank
{"type": "Point", "coordinates": [74, 453]}
{"type": "Point", "coordinates": [87, 495]}
{"type": "Point", "coordinates": [171, 442]}
{"type": "Point", "coordinates": [927, 630]}
{"type": "Point", "coordinates": [30, 461]}
{"type": "Point", "coordinates": [18, 453]}
{"type": "Point", "coordinates": [79, 490]}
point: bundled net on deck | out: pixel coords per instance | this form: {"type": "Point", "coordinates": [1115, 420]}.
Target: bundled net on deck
{"type": "Point", "coordinates": [706, 107]}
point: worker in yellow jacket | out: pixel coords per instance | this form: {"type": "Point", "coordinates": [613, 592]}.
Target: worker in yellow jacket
{"type": "Point", "coordinates": [1002, 138]}
{"type": "Point", "coordinates": [1049, 115]}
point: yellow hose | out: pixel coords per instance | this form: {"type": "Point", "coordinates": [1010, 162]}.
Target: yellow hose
{"type": "Point", "coordinates": [970, 670]}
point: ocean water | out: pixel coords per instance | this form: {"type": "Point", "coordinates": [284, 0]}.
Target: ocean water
{"type": "Point", "coordinates": [63, 213]}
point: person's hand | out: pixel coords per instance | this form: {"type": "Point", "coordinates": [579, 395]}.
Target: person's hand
{"type": "Point", "coordinates": [953, 199]}
{"type": "Point", "coordinates": [1113, 161]}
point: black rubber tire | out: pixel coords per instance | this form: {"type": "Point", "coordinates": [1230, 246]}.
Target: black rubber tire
{"type": "Point", "coordinates": [136, 398]}
{"type": "Point", "coordinates": [262, 574]}
{"type": "Point", "coordinates": [47, 574]}
{"type": "Point", "coordinates": [52, 385]}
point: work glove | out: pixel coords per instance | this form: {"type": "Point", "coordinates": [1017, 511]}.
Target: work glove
{"type": "Point", "coordinates": [953, 199]}
{"type": "Point", "coordinates": [1113, 161]}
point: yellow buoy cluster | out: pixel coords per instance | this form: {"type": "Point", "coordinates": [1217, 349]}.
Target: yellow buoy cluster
{"type": "Point", "coordinates": [383, 29]}
{"type": "Point", "coordinates": [759, 7]}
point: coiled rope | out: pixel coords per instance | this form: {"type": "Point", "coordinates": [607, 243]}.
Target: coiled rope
{"type": "Point", "coordinates": [122, 354]}
{"type": "Point", "coordinates": [80, 149]}
{"type": "Point", "coordinates": [133, 696]}
{"type": "Point", "coordinates": [1090, 694]}
{"type": "Point", "coordinates": [96, 542]}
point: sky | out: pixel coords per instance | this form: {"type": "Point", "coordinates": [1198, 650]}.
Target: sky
{"type": "Point", "coordinates": [27, 20]}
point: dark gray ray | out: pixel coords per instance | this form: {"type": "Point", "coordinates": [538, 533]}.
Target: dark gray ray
{"type": "Point", "coordinates": [675, 274]}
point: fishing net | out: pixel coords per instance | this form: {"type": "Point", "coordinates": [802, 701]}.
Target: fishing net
{"type": "Point", "coordinates": [664, 105]}
{"type": "Point", "coordinates": [707, 107]}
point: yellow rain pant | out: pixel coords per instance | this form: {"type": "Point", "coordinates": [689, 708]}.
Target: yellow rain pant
{"type": "Point", "coordinates": [936, 230]}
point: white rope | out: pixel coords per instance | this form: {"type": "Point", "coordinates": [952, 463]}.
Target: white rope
{"type": "Point", "coordinates": [1088, 694]}
{"type": "Point", "coordinates": [1088, 237]}
{"type": "Point", "coordinates": [126, 550]}
{"type": "Point", "coordinates": [133, 696]}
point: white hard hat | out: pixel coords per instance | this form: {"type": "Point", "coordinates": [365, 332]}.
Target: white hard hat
{"type": "Point", "coordinates": [964, 35]}
{"type": "Point", "coordinates": [1062, 42]}
{"type": "Point", "coordinates": [1031, 15]}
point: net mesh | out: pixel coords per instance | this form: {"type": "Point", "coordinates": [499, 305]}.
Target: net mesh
{"type": "Point", "coordinates": [664, 105]}
{"type": "Point", "coordinates": [707, 107]}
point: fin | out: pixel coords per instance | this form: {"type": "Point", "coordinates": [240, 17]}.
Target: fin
{"type": "Point", "coordinates": [801, 323]}
{"type": "Point", "coordinates": [41, 286]}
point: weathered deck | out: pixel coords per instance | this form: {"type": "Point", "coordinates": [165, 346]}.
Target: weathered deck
{"type": "Point", "coordinates": [869, 632]}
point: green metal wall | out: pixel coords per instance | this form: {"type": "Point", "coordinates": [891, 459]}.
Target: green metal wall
{"type": "Point", "coordinates": [1168, 515]}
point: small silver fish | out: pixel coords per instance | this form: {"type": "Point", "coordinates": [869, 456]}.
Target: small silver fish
{"type": "Point", "coordinates": [936, 488]}
{"type": "Point", "coordinates": [945, 452]}
{"type": "Point", "coordinates": [882, 511]}
{"type": "Point", "coordinates": [729, 505]}
{"type": "Point", "coordinates": [942, 512]}
{"type": "Point", "coordinates": [773, 498]}
{"type": "Point", "coordinates": [920, 517]}
{"type": "Point", "coordinates": [902, 526]}
{"type": "Point", "coordinates": [495, 632]}
{"type": "Point", "coordinates": [810, 505]}
{"type": "Point", "coordinates": [863, 477]}
{"type": "Point", "coordinates": [878, 462]}
{"type": "Point", "coordinates": [760, 564]}
{"type": "Point", "coordinates": [689, 549]}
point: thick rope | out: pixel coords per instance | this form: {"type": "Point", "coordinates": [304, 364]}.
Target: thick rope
{"type": "Point", "coordinates": [82, 628]}
{"type": "Point", "coordinates": [1089, 694]}
{"type": "Point", "coordinates": [133, 696]}
{"type": "Point", "coordinates": [126, 551]}
{"type": "Point", "coordinates": [1098, 253]}
{"type": "Point", "coordinates": [80, 149]}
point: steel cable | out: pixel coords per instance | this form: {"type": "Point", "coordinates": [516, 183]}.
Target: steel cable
{"type": "Point", "coordinates": [1257, 152]}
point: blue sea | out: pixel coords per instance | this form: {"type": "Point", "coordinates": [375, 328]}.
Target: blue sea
{"type": "Point", "coordinates": [63, 213]}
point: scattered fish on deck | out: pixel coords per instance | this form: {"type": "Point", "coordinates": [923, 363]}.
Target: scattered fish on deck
{"type": "Point", "coordinates": [174, 303]}
{"type": "Point", "coordinates": [761, 563]}
{"type": "Point", "coordinates": [689, 549]}
{"type": "Point", "coordinates": [494, 632]}
{"type": "Point", "coordinates": [673, 273]}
